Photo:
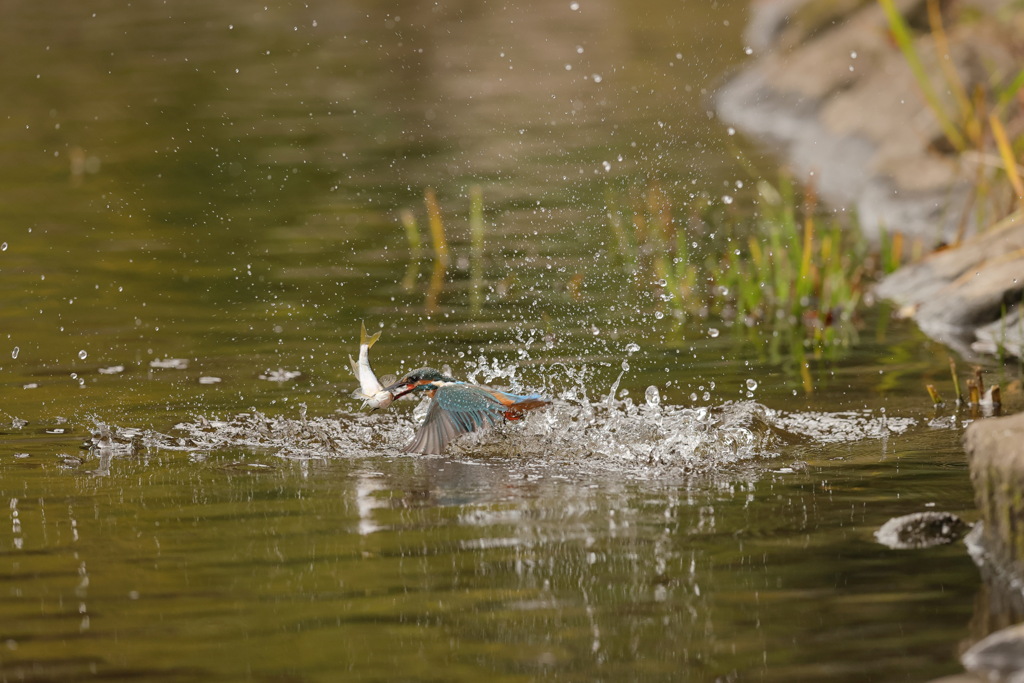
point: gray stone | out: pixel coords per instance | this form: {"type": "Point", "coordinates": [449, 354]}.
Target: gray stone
{"type": "Point", "coordinates": [969, 294]}
{"type": "Point", "coordinates": [995, 450]}
{"type": "Point", "coordinates": [846, 107]}
{"type": "Point", "coordinates": [830, 87]}
{"type": "Point", "coordinates": [1000, 653]}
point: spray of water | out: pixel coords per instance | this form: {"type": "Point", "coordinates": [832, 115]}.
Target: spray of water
{"type": "Point", "coordinates": [578, 430]}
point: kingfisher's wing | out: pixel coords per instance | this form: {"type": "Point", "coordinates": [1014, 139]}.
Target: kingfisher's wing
{"type": "Point", "coordinates": [455, 409]}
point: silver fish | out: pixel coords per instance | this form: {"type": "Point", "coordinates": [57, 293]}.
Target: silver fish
{"type": "Point", "coordinates": [370, 390]}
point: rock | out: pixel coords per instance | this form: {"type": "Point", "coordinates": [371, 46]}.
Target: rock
{"type": "Point", "coordinates": [829, 84]}
{"type": "Point", "coordinates": [1001, 654]}
{"type": "Point", "coordinates": [970, 295]}
{"type": "Point", "coordinates": [995, 449]}
{"type": "Point", "coordinates": [921, 530]}
{"type": "Point", "coordinates": [842, 103]}
{"type": "Point", "coordinates": [1005, 334]}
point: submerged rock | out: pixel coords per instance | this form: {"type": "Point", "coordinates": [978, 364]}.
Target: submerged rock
{"type": "Point", "coordinates": [921, 530]}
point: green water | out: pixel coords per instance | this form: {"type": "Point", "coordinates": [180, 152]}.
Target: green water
{"type": "Point", "coordinates": [220, 183]}
{"type": "Point", "coordinates": [411, 569]}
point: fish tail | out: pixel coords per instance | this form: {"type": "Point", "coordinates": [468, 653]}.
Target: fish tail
{"type": "Point", "coordinates": [365, 339]}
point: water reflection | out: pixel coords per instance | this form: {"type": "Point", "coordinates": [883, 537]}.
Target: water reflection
{"type": "Point", "coordinates": [211, 190]}
{"type": "Point", "coordinates": [236, 173]}
{"type": "Point", "coordinates": [469, 569]}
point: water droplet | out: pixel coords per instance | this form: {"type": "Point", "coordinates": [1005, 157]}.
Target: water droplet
{"type": "Point", "coordinates": [607, 165]}
{"type": "Point", "coordinates": [659, 315]}
{"type": "Point", "coordinates": [853, 55]}
{"type": "Point", "coordinates": [632, 348]}
{"type": "Point", "coordinates": [751, 384]}
{"type": "Point", "coordinates": [652, 396]}
{"type": "Point", "coordinates": [713, 332]}
{"type": "Point", "coordinates": [597, 78]}
{"type": "Point", "coordinates": [748, 50]}
{"type": "Point", "coordinates": [625, 365]}
{"type": "Point", "coordinates": [3, 247]}
{"type": "Point", "coordinates": [574, 6]}
{"type": "Point", "coordinates": [730, 130]}
{"type": "Point", "coordinates": [82, 354]}
{"type": "Point", "coordinates": [726, 199]}
{"type": "Point", "coordinates": [15, 352]}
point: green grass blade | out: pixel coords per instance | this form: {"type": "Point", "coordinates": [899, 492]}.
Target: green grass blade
{"type": "Point", "coordinates": [905, 41]}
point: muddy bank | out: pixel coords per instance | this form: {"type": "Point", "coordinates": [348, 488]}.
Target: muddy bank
{"type": "Point", "coordinates": [828, 84]}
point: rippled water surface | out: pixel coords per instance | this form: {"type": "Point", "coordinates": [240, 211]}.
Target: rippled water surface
{"type": "Point", "coordinates": [200, 203]}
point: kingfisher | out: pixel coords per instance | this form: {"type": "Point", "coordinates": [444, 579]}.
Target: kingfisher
{"type": "Point", "coordinates": [458, 408]}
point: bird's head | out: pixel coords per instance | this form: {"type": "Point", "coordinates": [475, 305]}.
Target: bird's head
{"type": "Point", "coordinates": [422, 379]}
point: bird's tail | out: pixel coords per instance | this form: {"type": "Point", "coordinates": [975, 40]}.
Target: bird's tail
{"type": "Point", "coordinates": [515, 410]}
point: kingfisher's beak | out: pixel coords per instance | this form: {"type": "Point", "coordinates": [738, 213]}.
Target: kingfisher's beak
{"type": "Point", "coordinates": [402, 388]}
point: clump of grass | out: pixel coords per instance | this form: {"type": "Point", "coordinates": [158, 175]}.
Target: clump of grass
{"type": "Point", "coordinates": [440, 250]}
{"type": "Point", "coordinates": [650, 245]}
{"type": "Point", "coordinates": [476, 242]}
{"type": "Point", "coordinates": [412, 236]}
{"type": "Point", "coordinates": [978, 400]}
{"type": "Point", "coordinates": [434, 220]}
{"type": "Point", "coordinates": [439, 244]}
{"type": "Point", "coordinates": [904, 38]}
{"type": "Point", "coordinates": [793, 268]}
{"type": "Point", "coordinates": [972, 118]}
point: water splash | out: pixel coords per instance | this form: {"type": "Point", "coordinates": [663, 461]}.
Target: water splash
{"type": "Point", "coordinates": [585, 433]}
